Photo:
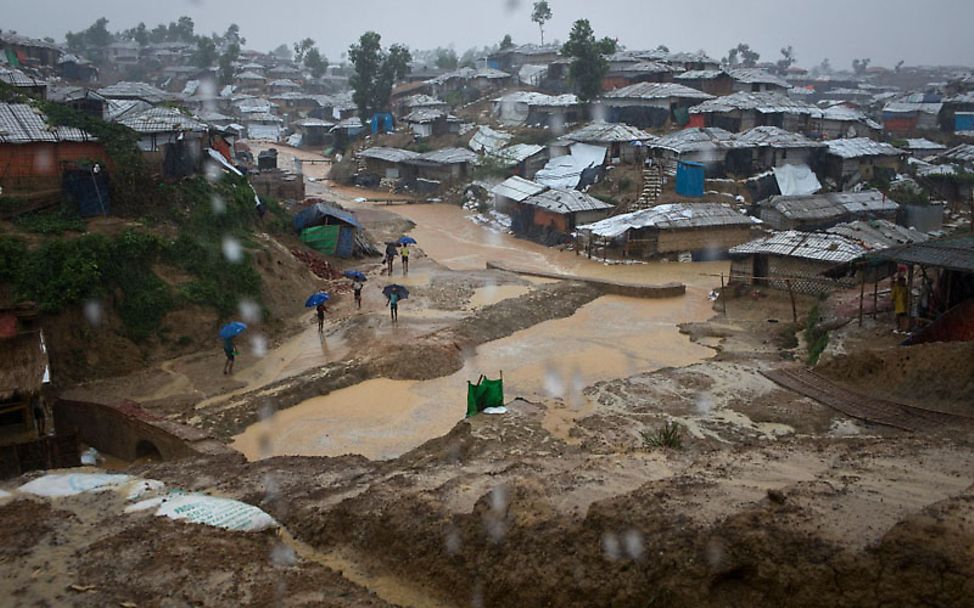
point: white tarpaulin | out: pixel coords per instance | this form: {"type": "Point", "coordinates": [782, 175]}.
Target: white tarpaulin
{"type": "Point", "coordinates": [796, 180]}
{"type": "Point", "coordinates": [70, 484]}
{"type": "Point", "coordinates": [566, 171]}
{"type": "Point", "coordinates": [4, 494]}
{"type": "Point", "coordinates": [208, 510]}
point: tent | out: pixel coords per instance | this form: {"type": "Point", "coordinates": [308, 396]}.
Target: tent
{"type": "Point", "coordinates": [486, 393]}
{"type": "Point", "coordinates": [327, 229]}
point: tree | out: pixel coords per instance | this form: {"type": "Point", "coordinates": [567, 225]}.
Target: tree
{"type": "Point", "coordinates": [375, 71]}
{"type": "Point", "coordinates": [899, 66]}
{"type": "Point", "coordinates": [95, 39]}
{"type": "Point", "coordinates": [859, 65]}
{"type": "Point", "coordinates": [787, 59]}
{"type": "Point", "coordinates": [283, 51]}
{"type": "Point", "coordinates": [663, 48]}
{"type": "Point", "coordinates": [506, 43]}
{"type": "Point", "coordinates": [185, 30]}
{"type": "Point", "coordinates": [315, 62]}
{"type": "Point", "coordinates": [589, 65]}
{"type": "Point", "coordinates": [301, 48]}
{"type": "Point", "coordinates": [541, 15]}
{"type": "Point", "coordinates": [205, 54]}
{"type": "Point", "coordinates": [229, 56]}
{"type": "Point", "coordinates": [446, 59]}
{"type": "Point", "coordinates": [158, 34]}
{"type": "Point", "coordinates": [232, 36]}
{"type": "Point", "coordinates": [748, 57]}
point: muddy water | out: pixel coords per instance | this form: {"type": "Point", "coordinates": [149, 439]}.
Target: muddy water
{"type": "Point", "coordinates": [612, 337]}
{"type": "Point", "coordinates": [445, 234]}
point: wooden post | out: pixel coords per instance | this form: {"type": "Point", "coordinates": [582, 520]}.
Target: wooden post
{"type": "Point", "coordinates": [723, 296]}
{"type": "Point", "coordinates": [909, 299]}
{"type": "Point", "coordinates": [875, 297]}
{"type": "Point", "coordinates": [791, 294]}
{"type": "Point", "coordinates": [862, 295]}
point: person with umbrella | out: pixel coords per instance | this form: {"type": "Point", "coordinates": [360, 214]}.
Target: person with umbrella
{"type": "Point", "coordinates": [393, 294]}
{"type": "Point", "coordinates": [405, 242]}
{"type": "Point", "coordinates": [317, 301]}
{"type": "Point", "coordinates": [228, 332]}
{"type": "Point", "coordinates": [358, 281]}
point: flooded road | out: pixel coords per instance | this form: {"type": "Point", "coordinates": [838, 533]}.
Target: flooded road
{"type": "Point", "coordinates": [611, 337]}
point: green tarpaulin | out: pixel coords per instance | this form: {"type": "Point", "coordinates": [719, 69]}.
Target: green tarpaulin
{"type": "Point", "coordinates": [486, 393]}
{"type": "Point", "coordinates": [321, 238]}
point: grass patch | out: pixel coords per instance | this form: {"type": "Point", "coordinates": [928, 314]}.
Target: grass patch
{"type": "Point", "coordinates": [51, 223]}
{"type": "Point", "coordinates": [816, 338]}
{"type": "Point", "coordinates": [670, 435]}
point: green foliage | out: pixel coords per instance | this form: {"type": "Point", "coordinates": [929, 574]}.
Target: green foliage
{"type": "Point", "coordinates": [51, 223]}
{"type": "Point", "coordinates": [816, 338]}
{"type": "Point", "coordinates": [229, 56]}
{"type": "Point", "coordinates": [491, 166]}
{"type": "Point", "coordinates": [541, 15]}
{"type": "Point", "coordinates": [670, 435]}
{"type": "Point", "coordinates": [375, 71]}
{"type": "Point", "coordinates": [589, 65]}
{"type": "Point", "coordinates": [205, 54]}
{"type": "Point", "coordinates": [301, 49]}
{"type": "Point", "coordinates": [908, 195]}
{"type": "Point", "coordinates": [506, 43]}
{"type": "Point", "coordinates": [315, 62]}
{"type": "Point", "coordinates": [446, 59]}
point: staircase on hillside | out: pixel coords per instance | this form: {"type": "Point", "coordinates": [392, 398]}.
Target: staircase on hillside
{"type": "Point", "coordinates": [652, 188]}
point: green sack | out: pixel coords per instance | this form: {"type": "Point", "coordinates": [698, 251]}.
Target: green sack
{"type": "Point", "coordinates": [486, 393]}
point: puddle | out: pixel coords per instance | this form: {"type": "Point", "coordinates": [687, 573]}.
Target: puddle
{"type": "Point", "coordinates": [612, 337]}
{"type": "Point", "coordinates": [492, 294]}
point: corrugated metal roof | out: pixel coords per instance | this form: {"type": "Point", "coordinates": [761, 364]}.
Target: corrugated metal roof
{"type": "Point", "coordinates": [283, 83]}
{"type": "Point", "coordinates": [162, 120]}
{"type": "Point", "coordinates": [518, 152]}
{"type": "Point", "coordinates": [830, 205]}
{"type": "Point", "coordinates": [654, 90]}
{"type": "Point", "coordinates": [517, 188]}
{"type": "Point", "coordinates": [248, 75]}
{"type": "Point", "coordinates": [924, 144]}
{"type": "Point", "coordinates": [21, 124]}
{"type": "Point", "coordinates": [807, 245]}
{"type": "Point", "coordinates": [878, 234]}
{"type": "Point", "coordinates": [774, 137]}
{"type": "Point", "coordinates": [605, 132]}
{"type": "Point", "coordinates": [315, 122]}
{"type": "Point", "coordinates": [489, 140]}
{"type": "Point", "coordinates": [71, 93]}
{"type": "Point", "coordinates": [135, 90]}
{"type": "Point", "coordinates": [695, 139]}
{"type": "Point", "coordinates": [539, 99]}
{"type": "Point", "coordinates": [907, 107]}
{"type": "Point", "coordinates": [392, 155]}
{"type": "Point", "coordinates": [963, 153]}
{"type": "Point", "coordinates": [566, 201]}
{"type": "Point", "coordinates": [116, 109]}
{"type": "Point", "coordinates": [419, 101]}
{"type": "Point", "coordinates": [16, 78]}
{"type": "Point", "coordinates": [861, 146]}
{"type": "Point", "coordinates": [954, 253]}
{"type": "Point", "coordinates": [757, 76]}
{"type": "Point", "coordinates": [446, 156]}
{"type": "Point", "coordinates": [671, 216]}
{"type": "Point", "coordinates": [700, 74]}
{"type": "Point", "coordinates": [644, 67]}
{"type": "Point", "coordinates": [423, 115]}
{"type": "Point", "coordinates": [765, 103]}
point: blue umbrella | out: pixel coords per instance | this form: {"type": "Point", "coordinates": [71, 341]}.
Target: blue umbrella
{"type": "Point", "coordinates": [402, 291]}
{"type": "Point", "coordinates": [356, 275]}
{"type": "Point", "coordinates": [316, 298]}
{"type": "Point", "coordinates": [407, 240]}
{"type": "Point", "coordinates": [232, 330]}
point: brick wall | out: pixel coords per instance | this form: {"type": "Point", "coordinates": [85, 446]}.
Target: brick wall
{"type": "Point", "coordinates": [45, 159]}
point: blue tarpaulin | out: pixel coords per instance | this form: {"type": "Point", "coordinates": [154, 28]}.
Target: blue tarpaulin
{"type": "Point", "coordinates": [382, 123]}
{"type": "Point", "coordinates": [689, 178]}
{"type": "Point", "coordinates": [89, 190]}
{"type": "Point", "coordinates": [320, 214]}
{"type": "Point", "coordinates": [964, 121]}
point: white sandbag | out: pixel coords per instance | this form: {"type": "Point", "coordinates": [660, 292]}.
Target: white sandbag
{"type": "Point", "coordinates": [90, 457]}
{"type": "Point", "coordinates": [140, 487]}
{"type": "Point", "coordinates": [208, 510]}
{"type": "Point", "coordinates": [71, 484]}
{"type": "Point", "coordinates": [495, 410]}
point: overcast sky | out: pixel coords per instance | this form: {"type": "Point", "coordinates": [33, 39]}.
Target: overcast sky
{"type": "Point", "coordinates": [919, 32]}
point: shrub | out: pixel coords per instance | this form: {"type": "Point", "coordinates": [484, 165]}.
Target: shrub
{"type": "Point", "coordinates": [816, 338]}
{"type": "Point", "coordinates": [670, 435]}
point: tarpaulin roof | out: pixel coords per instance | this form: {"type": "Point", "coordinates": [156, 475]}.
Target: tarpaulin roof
{"type": "Point", "coordinates": [656, 90]}
{"type": "Point", "coordinates": [606, 132]}
{"type": "Point", "coordinates": [162, 120]}
{"type": "Point", "coordinates": [807, 245]}
{"type": "Point", "coordinates": [671, 216]}
{"type": "Point", "coordinates": [518, 152]}
{"type": "Point", "coordinates": [796, 180]}
{"type": "Point", "coordinates": [953, 253]}
{"type": "Point", "coordinates": [489, 140]}
{"type": "Point", "coordinates": [764, 103]}
{"type": "Point", "coordinates": [136, 90]}
{"type": "Point", "coordinates": [695, 139]}
{"type": "Point", "coordinates": [391, 155]}
{"type": "Point", "coordinates": [318, 213]}
{"type": "Point", "coordinates": [445, 156]}
{"type": "Point", "coordinates": [829, 205]}
{"type": "Point", "coordinates": [566, 171]}
{"type": "Point", "coordinates": [775, 137]}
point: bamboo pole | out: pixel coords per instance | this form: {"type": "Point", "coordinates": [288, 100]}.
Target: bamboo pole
{"type": "Point", "coordinates": [862, 294]}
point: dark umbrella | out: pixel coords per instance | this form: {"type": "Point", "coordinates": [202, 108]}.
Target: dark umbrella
{"type": "Point", "coordinates": [407, 240]}
{"type": "Point", "coordinates": [316, 298]}
{"type": "Point", "coordinates": [356, 275]}
{"type": "Point", "coordinates": [388, 290]}
{"type": "Point", "coordinates": [232, 330]}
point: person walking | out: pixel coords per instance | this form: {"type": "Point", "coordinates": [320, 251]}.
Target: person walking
{"type": "Point", "coordinates": [357, 292]}
{"type": "Point", "coordinates": [390, 257]}
{"type": "Point", "coordinates": [231, 352]}
{"type": "Point", "coordinates": [393, 303]}
{"type": "Point", "coordinates": [404, 253]}
{"type": "Point", "coordinates": [320, 310]}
